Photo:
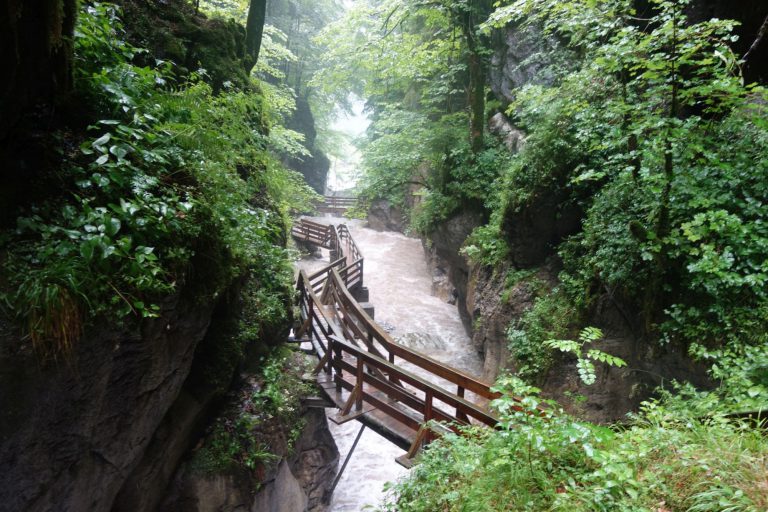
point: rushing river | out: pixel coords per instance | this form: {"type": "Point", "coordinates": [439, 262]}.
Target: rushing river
{"type": "Point", "coordinates": [400, 289]}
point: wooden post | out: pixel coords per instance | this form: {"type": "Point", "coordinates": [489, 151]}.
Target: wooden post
{"type": "Point", "coordinates": [392, 378]}
{"type": "Point", "coordinates": [428, 414]}
{"type": "Point", "coordinates": [360, 376]}
{"type": "Point", "coordinates": [337, 359]}
{"type": "Point", "coordinates": [461, 415]}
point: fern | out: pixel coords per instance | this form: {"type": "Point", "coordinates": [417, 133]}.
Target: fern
{"type": "Point", "coordinates": [585, 361]}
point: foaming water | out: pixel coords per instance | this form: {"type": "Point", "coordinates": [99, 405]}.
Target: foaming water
{"type": "Point", "coordinates": [400, 286]}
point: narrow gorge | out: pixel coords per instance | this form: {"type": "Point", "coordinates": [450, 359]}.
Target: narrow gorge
{"type": "Point", "coordinates": [391, 255]}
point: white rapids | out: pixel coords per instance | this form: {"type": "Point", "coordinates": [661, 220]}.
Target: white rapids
{"type": "Point", "coordinates": [399, 283]}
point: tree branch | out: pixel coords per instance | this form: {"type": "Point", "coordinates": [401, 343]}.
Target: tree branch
{"type": "Point", "coordinates": [760, 34]}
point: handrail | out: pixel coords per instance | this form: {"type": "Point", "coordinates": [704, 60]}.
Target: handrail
{"type": "Point", "coordinates": [431, 390]}
{"type": "Point", "coordinates": [433, 366]}
{"type": "Point", "coordinates": [339, 326]}
{"type": "Point", "coordinates": [336, 203]}
{"type": "Point", "coordinates": [341, 244]}
{"type": "Point", "coordinates": [389, 379]}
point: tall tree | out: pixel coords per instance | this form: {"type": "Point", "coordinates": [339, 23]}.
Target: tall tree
{"type": "Point", "coordinates": [35, 53]}
{"type": "Point", "coordinates": [254, 29]}
{"type": "Point", "coordinates": [469, 15]}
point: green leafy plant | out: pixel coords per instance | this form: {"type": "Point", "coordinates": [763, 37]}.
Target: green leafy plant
{"type": "Point", "coordinates": [266, 415]}
{"type": "Point", "coordinates": [542, 459]}
{"type": "Point", "coordinates": [173, 188]}
{"type": "Point", "coordinates": [585, 361]}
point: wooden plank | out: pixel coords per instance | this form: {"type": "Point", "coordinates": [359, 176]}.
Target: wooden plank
{"type": "Point", "coordinates": [414, 380]}
{"type": "Point", "coordinates": [430, 365]}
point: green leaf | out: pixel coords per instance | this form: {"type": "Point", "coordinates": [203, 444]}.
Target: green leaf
{"type": "Point", "coordinates": [102, 140]}
{"type": "Point", "coordinates": [113, 226]}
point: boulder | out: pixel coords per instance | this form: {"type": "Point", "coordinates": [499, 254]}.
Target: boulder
{"type": "Point", "coordinates": [384, 216]}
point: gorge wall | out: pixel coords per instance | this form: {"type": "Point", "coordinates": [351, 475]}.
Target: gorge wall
{"type": "Point", "coordinates": [494, 300]}
{"type": "Point", "coordinates": [104, 423]}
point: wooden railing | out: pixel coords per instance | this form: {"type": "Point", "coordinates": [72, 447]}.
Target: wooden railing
{"type": "Point", "coordinates": [364, 360]}
{"type": "Point", "coordinates": [313, 232]}
{"type": "Point", "coordinates": [334, 204]}
{"type": "Point", "coordinates": [345, 254]}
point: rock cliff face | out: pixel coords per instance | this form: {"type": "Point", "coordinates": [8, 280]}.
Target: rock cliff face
{"type": "Point", "coordinates": [314, 167]}
{"type": "Point", "coordinates": [493, 308]}
{"type": "Point", "coordinates": [105, 427]}
{"type": "Point", "coordinates": [297, 482]}
{"type": "Point", "coordinates": [515, 61]}
{"type": "Point", "coordinates": [385, 216]}
{"type": "Point", "coordinates": [450, 271]}
{"type": "Point", "coordinates": [72, 433]}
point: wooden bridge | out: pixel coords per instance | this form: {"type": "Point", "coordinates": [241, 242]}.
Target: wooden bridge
{"type": "Point", "coordinates": [388, 387]}
{"type": "Point", "coordinates": [336, 205]}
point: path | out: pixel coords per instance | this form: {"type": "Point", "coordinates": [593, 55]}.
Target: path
{"type": "Point", "coordinates": [400, 286]}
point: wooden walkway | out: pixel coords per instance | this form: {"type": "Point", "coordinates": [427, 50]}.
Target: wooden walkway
{"type": "Point", "coordinates": [363, 371]}
{"type": "Point", "coordinates": [336, 205]}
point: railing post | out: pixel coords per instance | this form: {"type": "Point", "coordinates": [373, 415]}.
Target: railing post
{"type": "Point", "coordinates": [428, 414]}
{"type": "Point", "coordinates": [360, 375]}
{"type": "Point", "coordinates": [392, 378]}
{"type": "Point", "coordinates": [337, 363]}
{"type": "Point", "coordinates": [461, 415]}
{"type": "Point", "coordinates": [329, 365]}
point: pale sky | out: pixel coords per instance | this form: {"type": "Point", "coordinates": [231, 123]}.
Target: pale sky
{"type": "Point", "coordinates": [343, 174]}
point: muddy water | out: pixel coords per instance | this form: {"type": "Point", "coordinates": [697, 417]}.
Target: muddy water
{"type": "Point", "coordinates": [399, 283]}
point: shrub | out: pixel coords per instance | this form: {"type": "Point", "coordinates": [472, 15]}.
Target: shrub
{"type": "Point", "coordinates": [173, 182]}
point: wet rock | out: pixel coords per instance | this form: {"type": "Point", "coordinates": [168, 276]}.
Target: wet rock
{"type": "Point", "coordinates": [283, 494]}
{"type": "Point", "coordinates": [493, 308]}
{"type": "Point", "coordinates": [384, 216]}
{"type": "Point", "coordinates": [297, 482]}
{"type": "Point", "coordinates": [443, 259]}
{"type": "Point", "coordinates": [422, 341]}
{"type": "Point", "coordinates": [70, 434]}
{"type": "Point", "coordinates": [517, 60]}
{"type": "Point", "coordinates": [500, 126]}
{"type": "Point", "coordinates": [534, 231]}
{"type": "Point", "coordinates": [442, 287]}
{"type": "Point", "coordinates": [617, 390]}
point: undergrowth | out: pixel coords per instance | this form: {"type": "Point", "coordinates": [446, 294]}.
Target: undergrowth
{"type": "Point", "coordinates": [669, 459]}
{"type": "Point", "coordinates": [173, 187]}
{"type": "Point", "coordinates": [263, 424]}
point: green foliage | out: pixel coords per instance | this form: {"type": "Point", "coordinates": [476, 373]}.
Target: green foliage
{"type": "Point", "coordinates": [174, 182]}
{"type": "Point", "coordinates": [243, 438]}
{"type": "Point", "coordinates": [742, 375]}
{"type": "Point", "coordinates": [409, 61]}
{"type": "Point", "coordinates": [290, 56]}
{"type": "Point", "coordinates": [542, 459]}
{"type": "Point", "coordinates": [486, 245]}
{"type": "Point", "coordinates": [585, 361]}
{"type": "Point", "coordinates": [551, 316]}
{"type": "Point", "coordinates": [652, 132]}
{"type": "Point", "coordinates": [230, 446]}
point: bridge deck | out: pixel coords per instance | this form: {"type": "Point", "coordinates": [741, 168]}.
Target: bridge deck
{"type": "Point", "coordinates": [371, 417]}
{"type": "Point", "coordinates": [363, 371]}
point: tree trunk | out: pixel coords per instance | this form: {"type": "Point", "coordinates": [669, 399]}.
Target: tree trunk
{"type": "Point", "coordinates": [254, 29]}
{"type": "Point", "coordinates": [474, 12]}
{"type": "Point", "coordinates": [476, 102]}
{"type": "Point", "coordinates": [35, 54]}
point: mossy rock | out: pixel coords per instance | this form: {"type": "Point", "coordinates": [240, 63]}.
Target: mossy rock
{"type": "Point", "coordinates": [174, 31]}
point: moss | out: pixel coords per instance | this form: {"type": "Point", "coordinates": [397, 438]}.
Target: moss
{"type": "Point", "coordinates": [262, 422]}
{"type": "Point", "coordinates": [173, 31]}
